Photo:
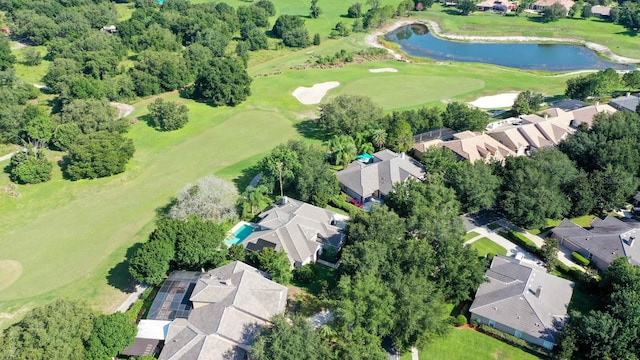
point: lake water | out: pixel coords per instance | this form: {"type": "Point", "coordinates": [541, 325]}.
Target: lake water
{"type": "Point", "coordinates": [416, 40]}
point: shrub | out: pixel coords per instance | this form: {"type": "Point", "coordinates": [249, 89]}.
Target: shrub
{"type": "Point", "coordinates": [461, 320]}
{"type": "Point", "coordinates": [580, 259]}
{"type": "Point", "coordinates": [474, 323]}
{"type": "Point", "coordinates": [512, 340]}
{"type": "Point", "coordinates": [523, 241]}
{"type": "Point", "coordinates": [30, 167]}
{"type": "Point", "coordinates": [304, 274]}
{"type": "Point", "coordinates": [329, 254]}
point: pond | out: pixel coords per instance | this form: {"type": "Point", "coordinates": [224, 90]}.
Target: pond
{"type": "Point", "coordinates": [416, 40]}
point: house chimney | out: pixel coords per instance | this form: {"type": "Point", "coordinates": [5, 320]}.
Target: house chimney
{"type": "Point", "coordinates": [538, 291]}
{"type": "Point", "coordinates": [402, 155]}
{"type": "Point", "coordinates": [597, 103]}
{"type": "Point", "coordinates": [628, 94]}
{"type": "Point", "coordinates": [546, 116]}
{"type": "Point", "coordinates": [284, 200]}
{"type": "Point", "coordinates": [632, 239]}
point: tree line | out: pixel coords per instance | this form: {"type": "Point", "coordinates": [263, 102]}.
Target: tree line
{"type": "Point", "coordinates": [67, 329]}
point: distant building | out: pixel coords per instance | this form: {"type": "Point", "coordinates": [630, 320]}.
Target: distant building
{"type": "Point", "coordinates": [629, 102]}
{"type": "Point", "coordinates": [540, 5]}
{"type": "Point", "coordinates": [497, 6]}
{"type": "Point", "coordinates": [601, 11]}
{"type": "Point", "coordinates": [6, 30]}
{"type": "Point", "coordinates": [522, 301]}
{"type": "Point", "coordinates": [473, 147]}
{"type": "Point", "coordinates": [111, 29]}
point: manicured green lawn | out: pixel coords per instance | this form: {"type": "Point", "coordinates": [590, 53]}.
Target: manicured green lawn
{"type": "Point", "coordinates": [616, 37]}
{"type": "Point", "coordinates": [485, 246]}
{"type": "Point", "coordinates": [470, 235]}
{"type": "Point", "coordinates": [468, 344]}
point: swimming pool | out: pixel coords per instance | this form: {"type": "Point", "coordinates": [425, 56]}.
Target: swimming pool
{"type": "Point", "coordinates": [239, 232]}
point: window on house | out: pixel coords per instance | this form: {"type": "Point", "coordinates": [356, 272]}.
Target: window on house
{"type": "Point", "coordinates": [492, 323]}
{"type": "Point", "coordinates": [517, 334]}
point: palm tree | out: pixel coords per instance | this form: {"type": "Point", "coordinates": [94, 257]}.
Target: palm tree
{"type": "Point", "coordinates": [366, 148]}
{"type": "Point", "coordinates": [256, 198]}
{"type": "Point", "coordinates": [379, 138]}
{"type": "Point", "coordinates": [343, 150]}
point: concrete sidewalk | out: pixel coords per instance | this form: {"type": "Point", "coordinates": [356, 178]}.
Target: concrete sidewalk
{"type": "Point", "coordinates": [132, 298]}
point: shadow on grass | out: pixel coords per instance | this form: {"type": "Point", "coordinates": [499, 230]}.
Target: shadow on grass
{"type": "Point", "coordinates": [163, 211]}
{"type": "Point", "coordinates": [119, 276]}
{"type": "Point", "coordinates": [631, 33]}
{"type": "Point", "coordinates": [311, 130]}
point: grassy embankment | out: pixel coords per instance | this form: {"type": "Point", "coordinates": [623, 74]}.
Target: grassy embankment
{"type": "Point", "coordinates": [70, 239]}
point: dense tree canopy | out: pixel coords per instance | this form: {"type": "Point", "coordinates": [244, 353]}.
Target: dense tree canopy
{"type": "Point", "coordinates": [98, 154]}
{"type": "Point", "coordinates": [299, 170]}
{"type": "Point", "coordinates": [349, 115]}
{"type": "Point", "coordinates": [168, 115]}
{"type": "Point", "coordinates": [58, 330]}
{"type": "Point", "coordinates": [30, 167]}
{"type": "Point", "coordinates": [284, 341]}
{"type": "Point", "coordinates": [224, 82]}
{"type": "Point", "coordinates": [461, 117]}
{"type": "Point", "coordinates": [611, 331]}
{"type": "Point", "coordinates": [110, 335]}
{"type": "Point", "coordinates": [274, 263]}
{"type": "Point", "coordinates": [527, 102]}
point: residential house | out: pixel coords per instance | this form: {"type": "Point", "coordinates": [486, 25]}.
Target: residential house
{"type": "Point", "coordinates": [375, 179]}
{"type": "Point", "coordinates": [230, 305]}
{"type": "Point", "coordinates": [430, 138]}
{"type": "Point", "coordinates": [523, 301]}
{"type": "Point", "coordinates": [540, 5]}
{"type": "Point", "coordinates": [111, 29]}
{"type": "Point", "coordinates": [601, 11]}
{"type": "Point", "coordinates": [603, 242]}
{"type": "Point", "coordinates": [299, 229]}
{"type": "Point", "coordinates": [531, 132]}
{"type": "Point", "coordinates": [629, 102]}
{"type": "Point", "coordinates": [473, 147]}
{"type": "Point", "coordinates": [497, 6]}
{"type": "Point", "coordinates": [569, 104]}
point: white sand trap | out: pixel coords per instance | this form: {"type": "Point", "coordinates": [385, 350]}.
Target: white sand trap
{"type": "Point", "coordinates": [495, 101]}
{"type": "Point", "coordinates": [314, 94]}
{"type": "Point", "coordinates": [383, 70]}
{"type": "Point", "coordinates": [10, 271]}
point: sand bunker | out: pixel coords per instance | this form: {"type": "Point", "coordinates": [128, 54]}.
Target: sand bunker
{"type": "Point", "coordinates": [10, 271]}
{"type": "Point", "coordinates": [495, 101]}
{"type": "Point", "coordinates": [314, 94]}
{"type": "Point", "coordinates": [383, 70]}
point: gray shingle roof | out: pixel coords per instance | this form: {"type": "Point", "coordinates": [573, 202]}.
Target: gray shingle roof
{"type": "Point", "coordinates": [628, 102]}
{"type": "Point", "coordinates": [607, 238]}
{"type": "Point", "coordinates": [297, 228]}
{"type": "Point", "coordinates": [231, 303]}
{"type": "Point", "coordinates": [509, 298]}
{"type": "Point", "coordinates": [387, 169]}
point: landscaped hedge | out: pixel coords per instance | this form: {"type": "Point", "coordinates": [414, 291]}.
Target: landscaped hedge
{"type": "Point", "coordinates": [580, 259]}
{"type": "Point", "coordinates": [522, 240]}
{"type": "Point", "coordinates": [340, 202]}
{"type": "Point", "coordinates": [461, 320]}
{"type": "Point", "coordinates": [514, 341]}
